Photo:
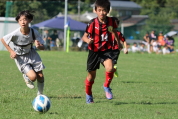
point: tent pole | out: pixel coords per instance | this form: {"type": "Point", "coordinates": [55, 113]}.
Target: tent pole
{"type": "Point", "coordinates": [65, 26]}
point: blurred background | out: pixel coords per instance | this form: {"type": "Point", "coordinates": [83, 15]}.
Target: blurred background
{"type": "Point", "coordinates": [137, 17]}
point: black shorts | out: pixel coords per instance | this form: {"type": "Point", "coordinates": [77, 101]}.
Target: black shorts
{"type": "Point", "coordinates": [115, 56]}
{"type": "Point", "coordinates": [95, 58]}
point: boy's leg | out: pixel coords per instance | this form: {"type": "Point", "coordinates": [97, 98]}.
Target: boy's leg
{"type": "Point", "coordinates": [116, 72]}
{"type": "Point", "coordinates": [40, 82]}
{"type": "Point", "coordinates": [109, 76]}
{"type": "Point", "coordinates": [88, 86]}
{"type": "Point", "coordinates": [115, 58]}
{"type": "Point", "coordinates": [29, 78]}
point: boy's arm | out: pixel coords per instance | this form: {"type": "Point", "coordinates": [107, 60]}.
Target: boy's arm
{"type": "Point", "coordinates": [39, 45]}
{"type": "Point", "coordinates": [12, 52]}
{"type": "Point", "coordinates": [116, 36]}
{"type": "Point", "coordinates": [86, 39]}
{"type": "Point", "coordinates": [125, 50]}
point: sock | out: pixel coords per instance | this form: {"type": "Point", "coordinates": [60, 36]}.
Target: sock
{"type": "Point", "coordinates": [88, 87]}
{"type": "Point", "coordinates": [109, 77]}
{"type": "Point", "coordinates": [40, 87]}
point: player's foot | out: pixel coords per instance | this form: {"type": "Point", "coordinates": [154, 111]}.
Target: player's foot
{"type": "Point", "coordinates": [108, 92]}
{"type": "Point", "coordinates": [38, 93]}
{"type": "Point", "coordinates": [28, 82]}
{"type": "Point", "coordinates": [115, 73]}
{"type": "Point", "coordinates": [89, 99]}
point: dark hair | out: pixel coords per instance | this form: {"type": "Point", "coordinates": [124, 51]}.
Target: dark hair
{"type": "Point", "coordinates": [28, 14]}
{"type": "Point", "coordinates": [102, 3]}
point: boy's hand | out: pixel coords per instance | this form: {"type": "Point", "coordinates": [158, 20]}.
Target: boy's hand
{"type": "Point", "coordinates": [125, 51]}
{"type": "Point", "coordinates": [90, 40]}
{"type": "Point", "coordinates": [37, 43]}
{"type": "Point", "coordinates": [13, 54]}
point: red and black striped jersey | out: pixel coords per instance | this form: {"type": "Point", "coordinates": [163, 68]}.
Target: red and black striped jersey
{"type": "Point", "coordinates": [121, 38]}
{"type": "Point", "coordinates": [102, 38]}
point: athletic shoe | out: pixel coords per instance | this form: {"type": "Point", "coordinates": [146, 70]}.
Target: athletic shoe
{"type": "Point", "coordinates": [28, 82]}
{"type": "Point", "coordinates": [89, 99]}
{"type": "Point", "coordinates": [115, 73]}
{"type": "Point", "coordinates": [108, 92]}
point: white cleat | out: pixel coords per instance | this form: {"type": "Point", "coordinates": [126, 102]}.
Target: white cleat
{"type": "Point", "coordinates": [28, 82]}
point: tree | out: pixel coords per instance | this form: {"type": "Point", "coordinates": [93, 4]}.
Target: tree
{"type": "Point", "coordinates": [159, 19]}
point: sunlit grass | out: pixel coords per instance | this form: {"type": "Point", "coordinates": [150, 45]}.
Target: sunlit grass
{"type": "Point", "coordinates": [145, 89]}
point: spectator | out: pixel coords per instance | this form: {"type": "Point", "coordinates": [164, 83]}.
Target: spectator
{"type": "Point", "coordinates": [153, 37]}
{"type": "Point", "coordinates": [146, 41]}
{"type": "Point", "coordinates": [169, 42]}
{"type": "Point", "coordinates": [46, 40]}
{"type": "Point", "coordinates": [166, 50]}
{"type": "Point", "coordinates": [142, 48]}
{"type": "Point", "coordinates": [53, 39]}
{"type": "Point", "coordinates": [159, 51]}
{"type": "Point", "coordinates": [134, 47]}
{"type": "Point", "coordinates": [154, 45]}
{"type": "Point", "coordinates": [161, 39]}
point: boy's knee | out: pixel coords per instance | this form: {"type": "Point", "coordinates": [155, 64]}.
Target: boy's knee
{"type": "Point", "coordinates": [32, 77]}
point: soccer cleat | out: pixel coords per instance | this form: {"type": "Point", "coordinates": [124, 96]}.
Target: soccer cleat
{"type": "Point", "coordinates": [108, 92]}
{"type": "Point", "coordinates": [28, 82]}
{"type": "Point", "coordinates": [89, 99]}
{"type": "Point", "coordinates": [115, 73]}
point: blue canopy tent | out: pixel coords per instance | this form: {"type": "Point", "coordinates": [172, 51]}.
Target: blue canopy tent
{"type": "Point", "coordinates": [58, 23]}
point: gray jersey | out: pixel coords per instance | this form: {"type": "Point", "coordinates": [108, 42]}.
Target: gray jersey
{"type": "Point", "coordinates": [27, 58]}
{"type": "Point", "coordinates": [17, 38]}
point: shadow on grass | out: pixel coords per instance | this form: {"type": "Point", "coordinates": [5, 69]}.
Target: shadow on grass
{"type": "Point", "coordinates": [53, 113]}
{"type": "Point", "coordinates": [142, 82]}
{"type": "Point", "coordinates": [67, 96]}
{"type": "Point", "coordinates": [145, 103]}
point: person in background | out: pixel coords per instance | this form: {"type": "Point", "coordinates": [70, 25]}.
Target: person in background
{"type": "Point", "coordinates": [147, 42]}
{"type": "Point", "coordinates": [53, 39]}
{"type": "Point", "coordinates": [142, 48]}
{"type": "Point", "coordinates": [153, 37]}
{"type": "Point", "coordinates": [135, 47]}
{"type": "Point", "coordinates": [165, 50]}
{"type": "Point", "coordinates": [46, 40]}
{"type": "Point", "coordinates": [161, 41]}
{"type": "Point", "coordinates": [117, 47]}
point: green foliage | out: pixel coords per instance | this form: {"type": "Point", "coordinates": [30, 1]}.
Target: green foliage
{"type": "Point", "coordinates": [159, 15]}
{"type": "Point", "coordinates": [145, 89]}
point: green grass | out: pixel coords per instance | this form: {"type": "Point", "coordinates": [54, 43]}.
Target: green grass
{"type": "Point", "coordinates": [147, 88]}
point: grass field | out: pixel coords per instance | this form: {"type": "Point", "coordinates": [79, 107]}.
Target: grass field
{"type": "Point", "coordinates": [147, 88]}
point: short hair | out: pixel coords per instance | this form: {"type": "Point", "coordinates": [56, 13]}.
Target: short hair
{"type": "Point", "coordinates": [102, 3]}
{"type": "Point", "coordinates": [28, 14]}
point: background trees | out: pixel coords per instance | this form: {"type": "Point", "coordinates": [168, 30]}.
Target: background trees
{"type": "Point", "coordinates": [160, 12]}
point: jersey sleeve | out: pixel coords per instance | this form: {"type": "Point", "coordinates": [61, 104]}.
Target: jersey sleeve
{"type": "Point", "coordinates": [89, 27]}
{"type": "Point", "coordinates": [116, 22]}
{"type": "Point", "coordinates": [38, 36]}
{"type": "Point", "coordinates": [121, 36]}
{"type": "Point", "coordinates": [11, 36]}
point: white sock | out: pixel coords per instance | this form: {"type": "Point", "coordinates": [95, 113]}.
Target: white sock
{"type": "Point", "coordinates": [40, 88]}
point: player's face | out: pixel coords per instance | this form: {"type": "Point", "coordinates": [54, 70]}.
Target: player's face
{"type": "Point", "coordinates": [23, 21]}
{"type": "Point", "coordinates": [101, 13]}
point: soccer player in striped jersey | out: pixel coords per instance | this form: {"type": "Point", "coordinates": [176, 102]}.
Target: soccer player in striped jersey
{"type": "Point", "coordinates": [117, 47]}
{"type": "Point", "coordinates": [98, 35]}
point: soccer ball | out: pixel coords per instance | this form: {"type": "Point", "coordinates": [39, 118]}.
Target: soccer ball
{"type": "Point", "coordinates": [41, 103]}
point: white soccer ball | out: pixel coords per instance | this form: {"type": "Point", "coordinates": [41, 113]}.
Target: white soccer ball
{"type": "Point", "coordinates": [41, 103]}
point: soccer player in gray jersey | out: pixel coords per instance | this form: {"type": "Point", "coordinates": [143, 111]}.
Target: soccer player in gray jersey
{"type": "Point", "coordinates": [26, 58]}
